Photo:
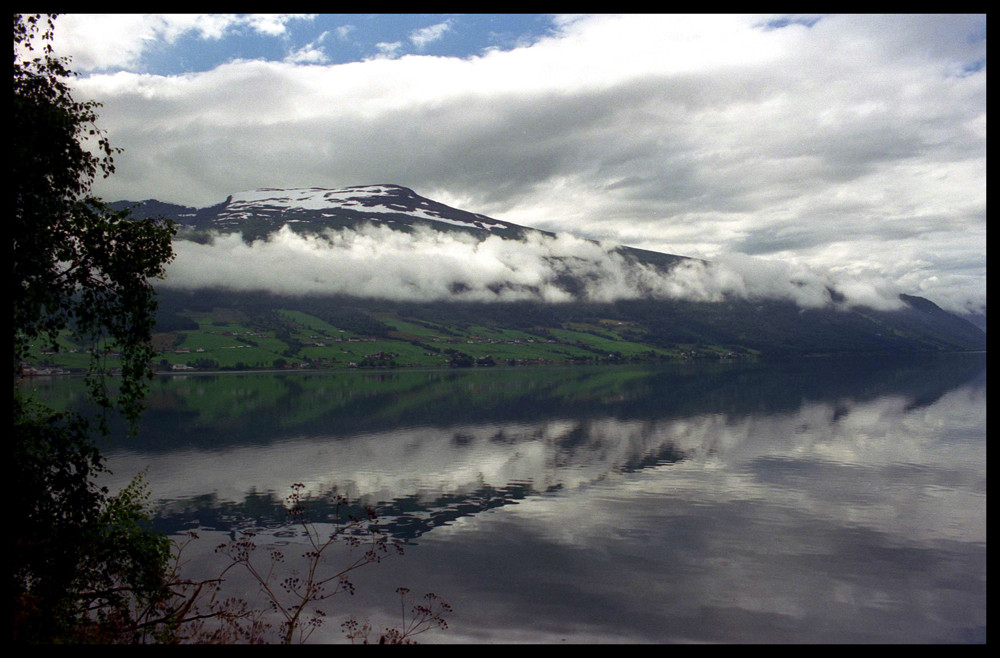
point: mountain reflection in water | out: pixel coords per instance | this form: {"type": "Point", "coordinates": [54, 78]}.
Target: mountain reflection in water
{"type": "Point", "coordinates": [820, 500]}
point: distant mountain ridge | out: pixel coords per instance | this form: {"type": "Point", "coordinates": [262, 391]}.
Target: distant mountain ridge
{"type": "Point", "coordinates": [260, 212]}
{"type": "Point", "coordinates": [316, 207]}
{"type": "Point", "coordinates": [768, 326]}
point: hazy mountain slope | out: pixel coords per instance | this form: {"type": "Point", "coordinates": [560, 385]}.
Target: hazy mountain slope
{"type": "Point", "coordinates": [769, 325]}
{"type": "Point", "coordinates": [256, 214]}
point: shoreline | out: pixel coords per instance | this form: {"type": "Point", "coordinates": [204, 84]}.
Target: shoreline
{"type": "Point", "coordinates": [63, 372]}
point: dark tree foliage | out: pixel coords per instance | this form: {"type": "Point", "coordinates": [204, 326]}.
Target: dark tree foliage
{"type": "Point", "coordinates": [83, 560]}
{"type": "Point", "coordinates": [85, 564]}
{"type": "Point", "coordinates": [77, 265]}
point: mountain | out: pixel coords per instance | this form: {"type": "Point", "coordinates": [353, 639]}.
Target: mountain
{"type": "Point", "coordinates": [258, 213]}
{"type": "Point", "coordinates": [740, 323]}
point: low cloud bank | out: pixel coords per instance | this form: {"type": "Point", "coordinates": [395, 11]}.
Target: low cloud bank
{"type": "Point", "coordinates": [431, 265]}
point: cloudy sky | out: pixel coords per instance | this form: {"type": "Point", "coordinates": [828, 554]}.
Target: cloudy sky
{"type": "Point", "coordinates": [856, 144]}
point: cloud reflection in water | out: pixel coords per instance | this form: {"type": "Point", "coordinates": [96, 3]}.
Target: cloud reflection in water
{"type": "Point", "coordinates": [856, 517]}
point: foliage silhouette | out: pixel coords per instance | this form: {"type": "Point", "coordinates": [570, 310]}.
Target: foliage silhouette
{"type": "Point", "coordinates": [84, 561]}
{"type": "Point", "coordinates": [87, 566]}
{"type": "Point", "coordinates": [295, 595]}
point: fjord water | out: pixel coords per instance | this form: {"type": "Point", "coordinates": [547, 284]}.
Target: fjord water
{"type": "Point", "coordinates": [819, 500]}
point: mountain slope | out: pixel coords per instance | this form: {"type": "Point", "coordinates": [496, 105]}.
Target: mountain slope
{"type": "Point", "coordinates": [259, 213]}
{"type": "Point", "coordinates": [742, 323]}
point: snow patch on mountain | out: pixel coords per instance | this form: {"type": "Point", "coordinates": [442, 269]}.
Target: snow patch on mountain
{"type": "Point", "coordinates": [308, 198]}
{"type": "Point", "coordinates": [377, 202]}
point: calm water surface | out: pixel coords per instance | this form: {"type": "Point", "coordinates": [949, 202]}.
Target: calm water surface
{"type": "Point", "coordinates": [825, 500]}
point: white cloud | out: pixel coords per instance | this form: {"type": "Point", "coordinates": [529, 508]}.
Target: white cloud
{"type": "Point", "coordinates": [106, 41]}
{"type": "Point", "coordinates": [854, 145]}
{"type": "Point", "coordinates": [388, 49]}
{"type": "Point", "coordinates": [430, 34]}
{"type": "Point", "coordinates": [272, 24]}
{"type": "Point", "coordinates": [434, 266]}
{"type": "Point", "coordinates": [311, 53]}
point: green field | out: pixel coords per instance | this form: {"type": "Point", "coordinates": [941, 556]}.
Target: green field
{"type": "Point", "coordinates": [223, 339]}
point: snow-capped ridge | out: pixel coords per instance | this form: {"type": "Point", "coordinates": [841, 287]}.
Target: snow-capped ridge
{"type": "Point", "coordinates": [383, 202]}
{"type": "Point", "coordinates": [315, 198]}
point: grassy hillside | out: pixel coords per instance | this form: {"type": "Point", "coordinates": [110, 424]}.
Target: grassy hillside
{"type": "Point", "coordinates": [216, 330]}
{"type": "Point", "coordinates": [224, 338]}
